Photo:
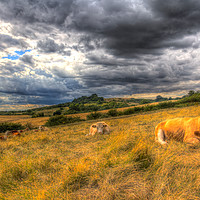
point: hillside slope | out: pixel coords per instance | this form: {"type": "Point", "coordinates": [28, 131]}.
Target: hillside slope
{"type": "Point", "coordinates": [63, 163]}
{"type": "Point", "coordinates": [24, 119]}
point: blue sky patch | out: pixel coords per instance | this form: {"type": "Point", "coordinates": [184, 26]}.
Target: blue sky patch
{"type": "Point", "coordinates": [22, 52]}
{"type": "Point", "coordinates": [17, 54]}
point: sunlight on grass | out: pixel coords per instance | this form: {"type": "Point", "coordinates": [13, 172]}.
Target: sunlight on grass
{"type": "Point", "coordinates": [62, 163]}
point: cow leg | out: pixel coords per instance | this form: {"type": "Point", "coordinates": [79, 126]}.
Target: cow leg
{"type": "Point", "coordinates": [92, 132]}
{"type": "Point", "coordinates": [161, 137]}
{"type": "Point", "coordinates": [88, 134]}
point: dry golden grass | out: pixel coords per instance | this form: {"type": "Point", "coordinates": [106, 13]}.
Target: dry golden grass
{"type": "Point", "coordinates": [63, 163]}
{"type": "Point", "coordinates": [23, 119]}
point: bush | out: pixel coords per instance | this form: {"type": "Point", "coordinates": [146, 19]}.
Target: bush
{"type": "Point", "coordinates": [112, 112]}
{"type": "Point", "coordinates": [10, 126]}
{"type": "Point", "coordinates": [38, 115]}
{"type": "Point", "coordinates": [166, 105]}
{"type": "Point", "coordinates": [29, 126]}
{"type": "Point", "coordinates": [95, 115]}
{"type": "Point", "coordinates": [57, 112]}
{"type": "Point", "coordinates": [193, 98]}
{"type": "Point", "coordinates": [129, 111]}
{"type": "Point", "coordinates": [120, 113]}
{"type": "Point", "coordinates": [150, 107]}
{"type": "Point", "coordinates": [138, 109]}
{"type": "Point", "coordinates": [145, 101]}
{"type": "Point", "coordinates": [61, 119]}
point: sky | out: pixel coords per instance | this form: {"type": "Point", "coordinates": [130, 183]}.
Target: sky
{"type": "Point", "coordinates": [52, 51]}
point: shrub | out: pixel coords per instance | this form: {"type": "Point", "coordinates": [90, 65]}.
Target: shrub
{"type": "Point", "coordinates": [145, 101]}
{"type": "Point", "coordinates": [95, 115]}
{"type": "Point", "coordinates": [150, 107]}
{"type": "Point", "coordinates": [57, 112]}
{"type": "Point", "coordinates": [138, 109]}
{"type": "Point", "coordinates": [120, 113]}
{"type": "Point", "coordinates": [29, 126]}
{"type": "Point", "coordinates": [61, 119]}
{"type": "Point", "coordinates": [129, 111]}
{"type": "Point", "coordinates": [193, 98]}
{"type": "Point", "coordinates": [112, 112]}
{"type": "Point", "coordinates": [38, 115]}
{"type": "Point", "coordinates": [166, 105]}
{"type": "Point", "coordinates": [91, 108]}
{"type": "Point", "coordinates": [10, 126]}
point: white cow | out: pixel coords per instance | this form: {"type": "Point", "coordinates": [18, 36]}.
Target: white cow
{"type": "Point", "coordinates": [100, 128]}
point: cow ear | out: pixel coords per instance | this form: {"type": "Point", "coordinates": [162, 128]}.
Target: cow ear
{"type": "Point", "coordinates": [94, 126]}
{"type": "Point", "coordinates": [105, 125]}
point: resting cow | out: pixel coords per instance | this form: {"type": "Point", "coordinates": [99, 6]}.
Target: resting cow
{"type": "Point", "coordinates": [100, 128]}
{"type": "Point", "coordinates": [2, 137]}
{"type": "Point", "coordinates": [43, 128]}
{"type": "Point", "coordinates": [13, 133]}
{"type": "Point", "coordinates": [179, 129]}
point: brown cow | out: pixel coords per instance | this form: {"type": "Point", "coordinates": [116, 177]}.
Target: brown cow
{"type": "Point", "coordinates": [2, 137]}
{"type": "Point", "coordinates": [179, 129]}
{"type": "Point", "coordinates": [13, 132]}
{"type": "Point", "coordinates": [16, 133]}
{"type": "Point", "coordinates": [100, 128]}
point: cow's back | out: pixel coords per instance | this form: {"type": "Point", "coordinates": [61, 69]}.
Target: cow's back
{"type": "Point", "coordinates": [176, 128]}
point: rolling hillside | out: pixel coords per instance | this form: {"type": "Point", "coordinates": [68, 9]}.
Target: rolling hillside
{"type": "Point", "coordinates": [23, 119]}
{"type": "Point", "coordinates": [63, 163]}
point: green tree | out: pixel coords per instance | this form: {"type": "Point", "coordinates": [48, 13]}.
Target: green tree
{"type": "Point", "coordinates": [191, 92]}
{"type": "Point", "coordinates": [112, 112]}
{"type": "Point", "coordinates": [57, 112]}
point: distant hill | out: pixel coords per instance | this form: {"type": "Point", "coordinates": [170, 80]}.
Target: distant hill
{"type": "Point", "coordinates": [91, 99]}
{"type": "Point", "coordinates": [8, 107]}
{"type": "Point", "coordinates": [82, 104]}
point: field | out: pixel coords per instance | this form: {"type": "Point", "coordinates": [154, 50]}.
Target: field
{"type": "Point", "coordinates": [24, 119]}
{"type": "Point", "coordinates": [63, 163]}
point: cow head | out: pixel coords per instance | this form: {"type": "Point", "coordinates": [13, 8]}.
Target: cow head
{"type": "Point", "coordinates": [99, 126]}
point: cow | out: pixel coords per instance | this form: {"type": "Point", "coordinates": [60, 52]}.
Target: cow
{"type": "Point", "coordinates": [2, 137]}
{"type": "Point", "coordinates": [43, 128]}
{"type": "Point", "coordinates": [179, 129]}
{"type": "Point", "coordinates": [13, 133]}
{"type": "Point", "coordinates": [100, 128]}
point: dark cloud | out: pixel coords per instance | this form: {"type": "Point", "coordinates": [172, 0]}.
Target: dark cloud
{"type": "Point", "coordinates": [127, 30]}
{"type": "Point", "coordinates": [178, 10]}
{"type": "Point", "coordinates": [28, 59]}
{"type": "Point", "coordinates": [124, 28]}
{"type": "Point", "coordinates": [9, 69]}
{"type": "Point", "coordinates": [34, 91]}
{"type": "Point", "coordinates": [129, 46]}
{"type": "Point", "coordinates": [105, 60]}
{"type": "Point", "coordinates": [7, 41]}
{"type": "Point", "coordinates": [49, 46]}
{"type": "Point", "coordinates": [31, 11]}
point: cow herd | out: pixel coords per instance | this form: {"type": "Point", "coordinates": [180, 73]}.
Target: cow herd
{"type": "Point", "coordinates": [15, 133]}
{"type": "Point", "coordinates": [179, 129]}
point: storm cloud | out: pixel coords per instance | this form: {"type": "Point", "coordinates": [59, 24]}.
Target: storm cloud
{"type": "Point", "coordinates": [112, 48]}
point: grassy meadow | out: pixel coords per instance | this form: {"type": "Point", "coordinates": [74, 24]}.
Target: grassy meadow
{"type": "Point", "coordinates": [63, 163]}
